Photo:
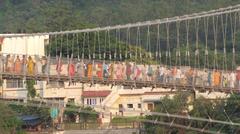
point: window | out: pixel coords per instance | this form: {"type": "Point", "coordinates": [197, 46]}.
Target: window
{"type": "Point", "coordinates": [88, 101]}
{"type": "Point", "coordinates": [91, 101]}
{"type": "Point", "coordinates": [139, 105]}
{"type": "Point", "coordinates": [14, 83]}
{"type": "Point", "coordinates": [94, 101]}
{"type": "Point", "coordinates": [71, 100]}
{"type": "Point", "coordinates": [150, 106]}
{"type": "Point", "coordinates": [55, 84]}
{"type": "Point", "coordinates": [130, 105]}
{"type": "Point", "coordinates": [101, 100]}
{"type": "Point", "coordinates": [120, 106]}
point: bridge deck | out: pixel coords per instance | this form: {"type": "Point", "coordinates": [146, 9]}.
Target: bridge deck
{"type": "Point", "coordinates": [129, 83]}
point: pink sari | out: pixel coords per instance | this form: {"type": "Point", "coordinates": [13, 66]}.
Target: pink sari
{"type": "Point", "coordinates": [119, 72]}
{"type": "Point", "coordinates": [71, 70]}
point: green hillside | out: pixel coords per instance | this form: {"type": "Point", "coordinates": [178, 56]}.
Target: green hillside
{"type": "Point", "coordinates": [52, 15]}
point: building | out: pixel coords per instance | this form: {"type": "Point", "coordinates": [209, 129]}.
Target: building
{"type": "Point", "coordinates": [20, 46]}
{"type": "Point", "coordinates": [94, 97]}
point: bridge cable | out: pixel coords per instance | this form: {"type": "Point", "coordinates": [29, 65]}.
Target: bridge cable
{"type": "Point", "coordinates": [206, 61]}
{"type": "Point", "coordinates": [99, 46]}
{"type": "Point", "coordinates": [94, 45]}
{"type": "Point", "coordinates": [137, 44]}
{"type": "Point", "coordinates": [196, 61]}
{"type": "Point", "coordinates": [111, 66]}
{"type": "Point", "coordinates": [233, 25]}
{"type": "Point", "coordinates": [119, 44]}
{"type": "Point", "coordinates": [56, 42]}
{"type": "Point", "coordinates": [83, 46]}
{"type": "Point", "coordinates": [59, 58]}
{"type": "Point", "coordinates": [224, 32]}
{"type": "Point", "coordinates": [158, 50]}
{"type": "Point", "coordinates": [215, 32]}
{"type": "Point", "coordinates": [187, 54]}
{"type": "Point", "coordinates": [115, 45]}
{"type": "Point", "coordinates": [105, 46]}
{"type": "Point", "coordinates": [68, 59]}
{"type": "Point", "coordinates": [127, 43]}
{"type": "Point", "coordinates": [72, 66]}
{"type": "Point", "coordinates": [109, 45]}
{"type": "Point", "coordinates": [94, 56]}
{"type": "Point", "coordinates": [178, 54]}
{"type": "Point", "coordinates": [168, 52]}
{"type": "Point", "coordinates": [78, 49]}
{"type": "Point", "coordinates": [149, 42]}
{"type": "Point", "coordinates": [88, 45]}
{"type": "Point", "coordinates": [140, 46]}
{"type": "Point", "coordinates": [224, 62]}
{"type": "Point", "coordinates": [49, 61]}
{"type": "Point", "coordinates": [105, 66]}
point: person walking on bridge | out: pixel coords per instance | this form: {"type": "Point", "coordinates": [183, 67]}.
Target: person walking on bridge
{"type": "Point", "coordinates": [17, 65]}
{"type": "Point", "coordinates": [30, 66]}
{"type": "Point", "coordinates": [216, 78]}
{"type": "Point", "coordinates": [238, 78]}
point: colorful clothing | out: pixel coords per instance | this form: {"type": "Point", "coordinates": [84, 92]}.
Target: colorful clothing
{"type": "Point", "coordinates": [89, 70]}
{"type": "Point", "coordinates": [71, 70]}
{"type": "Point", "coordinates": [44, 65]}
{"type": "Point", "coordinates": [137, 72]}
{"type": "Point", "coordinates": [119, 71]}
{"type": "Point", "coordinates": [105, 70]}
{"type": "Point", "coordinates": [24, 62]}
{"type": "Point", "coordinates": [128, 71]}
{"type": "Point", "coordinates": [99, 70]}
{"type": "Point", "coordinates": [216, 78]}
{"type": "Point", "coordinates": [150, 71]}
{"type": "Point", "coordinates": [30, 66]}
{"type": "Point", "coordinates": [9, 64]}
{"type": "Point", "coordinates": [17, 66]}
{"type": "Point", "coordinates": [80, 69]}
{"type": "Point", "coordinates": [111, 71]}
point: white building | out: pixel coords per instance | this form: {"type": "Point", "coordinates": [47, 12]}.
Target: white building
{"type": "Point", "coordinates": [27, 45]}
{"type": "Point", "coordinates": [19, 46]}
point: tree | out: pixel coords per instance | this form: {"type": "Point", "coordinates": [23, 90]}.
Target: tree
{"type": "Point", "coordinates": [86, 114]}
{"type": "Point", "coordinates": [9, 123]}
{"type": "Point", "coordinates": [30, 88]}
{"type": "Point", "coordinates": [42, 112]}
{"type": "Point", "coordinates": [176, 105]}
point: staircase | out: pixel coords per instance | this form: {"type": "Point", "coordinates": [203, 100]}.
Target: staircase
{"type": "Point", "coordinates": [111, 98]}
{"type": "Point", "coordinates": [108, 102]}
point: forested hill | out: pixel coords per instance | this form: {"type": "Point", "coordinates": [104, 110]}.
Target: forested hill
{"type": "Point", "coordinates": [55, 15]}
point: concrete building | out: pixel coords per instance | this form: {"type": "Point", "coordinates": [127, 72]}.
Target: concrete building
{"type": "Point", "coordinates": [19, 46]}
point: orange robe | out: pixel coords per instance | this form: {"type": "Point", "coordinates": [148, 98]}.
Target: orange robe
{"type": "Point", "coordinates": [71, 70]}
{"type": "Point", "coordinates": [17, 66]}
{"type": "Point", "coordinates": [89, 70]}
{"type": "Point", "coordinates": [99, 70]}
{"type": "Point", "coordinates": [216, 78]}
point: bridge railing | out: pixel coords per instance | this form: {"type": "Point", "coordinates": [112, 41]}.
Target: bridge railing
{"type": "Point", "coordinates": [74, 70]}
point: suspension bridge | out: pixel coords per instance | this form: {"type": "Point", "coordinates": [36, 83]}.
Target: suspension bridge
{"type": "Point", "coordinates": [192, 52]}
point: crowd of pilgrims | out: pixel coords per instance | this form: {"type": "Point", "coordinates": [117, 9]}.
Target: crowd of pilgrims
{"type": "Point", "coordinates": [35, 65]}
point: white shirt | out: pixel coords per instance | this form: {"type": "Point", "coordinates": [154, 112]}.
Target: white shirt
{"type": "Point", "coordinates": [179, 72]}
